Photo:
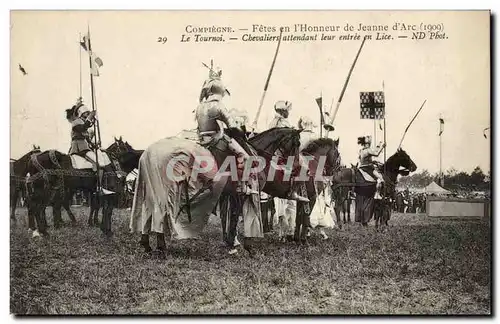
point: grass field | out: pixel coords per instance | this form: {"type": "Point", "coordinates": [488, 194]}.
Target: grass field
{"type": "Point", "coordinates": [418, 266]}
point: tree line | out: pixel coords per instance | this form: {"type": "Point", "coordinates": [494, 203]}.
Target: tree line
{"type": "Point", "coordinates": [454, 180]}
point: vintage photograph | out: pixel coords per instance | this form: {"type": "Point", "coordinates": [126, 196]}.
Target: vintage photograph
{"type": "Point", "coordinates": [250, 162]}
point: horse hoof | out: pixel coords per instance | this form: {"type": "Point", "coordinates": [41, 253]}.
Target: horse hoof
{"type": "Point", "coordinates": [236, 242]}
{"type": "Point", "coordinates": [35, 234]}
{"type": "Point", "coordinates": [232, 251]}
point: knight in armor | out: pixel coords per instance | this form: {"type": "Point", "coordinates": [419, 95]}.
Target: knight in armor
{"type": "Point", "coordinates": [366, 162]}
{"type": "Point", "coordinates": [307, 126]}
{"type": "Point", "coordinates": [82, 119]}
{"type": "Point", "coordinates": [209, 113]}
{"type": "Point", "coordinates": [282, 109]}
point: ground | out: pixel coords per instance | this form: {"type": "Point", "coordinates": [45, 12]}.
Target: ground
{"type": "Point", "coordinates": [418, 266]}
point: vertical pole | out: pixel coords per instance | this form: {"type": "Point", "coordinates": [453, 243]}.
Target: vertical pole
{"type": "Point", "coordinates": [441, 160]}
{"type": "Point", "coordinates": [96, 122]}
{"type": "Point", "coordinates": [80, 57]}
{"type": "Point", "coordinates": [385, 138]}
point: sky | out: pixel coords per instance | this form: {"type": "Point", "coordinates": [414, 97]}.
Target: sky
{"type": "Point", "coordinates": [147, 90]}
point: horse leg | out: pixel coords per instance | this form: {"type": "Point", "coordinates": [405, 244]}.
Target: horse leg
{"type": "Point", "coordinates": [107, 211]}
{"type": "Point", "coordinates": [56, 213]}
{"type": "Point", "coordinates": [160, 244]}
{"type": "Point", "coordinates": [41, 221]}
{"type": "Point", "coordinates": [223, 204]}
{"type": "Point", "coordinates": [337, 216]}
{"type": "Point", "coordinates": [298, 219]}
{"type": "Point", "coordinates": [13, 204]}
{"type": "Point", "coordinates": [91, 205]}
{"type": "Point", "coordinates": [145, 243]}
{"type": "Point", "coordinates": [265, 217]}
{"type": "Point", "coordinates": [66, 207]}
{"type": "Point", "coordinates": [32, 215]}
{"type": "Point", "coordinates": [305, 227]}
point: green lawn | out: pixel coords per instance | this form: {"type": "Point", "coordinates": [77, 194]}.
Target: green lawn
{"type": "Point", "coordinates": [418, 266]}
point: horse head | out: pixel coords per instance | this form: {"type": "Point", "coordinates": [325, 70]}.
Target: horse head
{"type": "Point", "coordinates": [119, 147]}
{"type": "Point", "coordinates": [324, 148]}
{"type": "Point", "coordinates": [401, 159]}
{"type": "Point", "coordinates": [287, 140]}
{"type": "Point", "coordinates": [20, 166]}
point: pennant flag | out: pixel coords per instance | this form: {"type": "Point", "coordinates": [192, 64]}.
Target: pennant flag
{"type": "Point", "coordinates": [319, 101]}
{"type": "Point", "coordinates": [85, 43]}
{"type": "Point", "coordinates": [96, 64]}
{"type": "Point", "coordinates": [441, 126]}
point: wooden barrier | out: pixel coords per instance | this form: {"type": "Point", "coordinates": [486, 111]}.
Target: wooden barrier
{"type": "Point", "coordinates": [457, 207]}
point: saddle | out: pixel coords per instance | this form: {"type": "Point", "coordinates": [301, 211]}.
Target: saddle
{"type": "Point", "coordinates": [89, 161]}
{"type": "Point", "coordinates": [363, 174]}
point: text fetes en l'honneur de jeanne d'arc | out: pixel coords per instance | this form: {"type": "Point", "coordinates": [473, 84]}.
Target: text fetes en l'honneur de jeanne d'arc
{"type": "Point", "coordinates": [304, 28]}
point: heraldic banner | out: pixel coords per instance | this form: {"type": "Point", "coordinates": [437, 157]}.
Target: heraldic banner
{"type": "Point", "coordinates": [372, 105]}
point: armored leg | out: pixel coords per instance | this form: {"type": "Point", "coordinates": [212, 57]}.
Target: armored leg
{"type": "Point", "coordinates": [380, 180]}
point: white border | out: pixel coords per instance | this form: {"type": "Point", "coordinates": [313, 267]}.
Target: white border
{"type": "Point", "coordinates": [163, 5]}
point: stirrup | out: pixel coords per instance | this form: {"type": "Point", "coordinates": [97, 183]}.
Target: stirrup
{"type": "Point", "coordinates": [296, 196]}
{"type": "Point", "coordinates": [104, 192]}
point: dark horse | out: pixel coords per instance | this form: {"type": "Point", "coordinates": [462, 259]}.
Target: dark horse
{"type": "Point", "coordinates": [366, 205]}
{"type": "Point", "coordinates": [287, 140]}
{"type": "Point", "coordinates": [342, 197]}
{"type": "Point", "coordinates": [18, 172]}
{"type": "Point", "coordinates": [316, 184]}
{"type": "Point", "coordinates": [128, 158]}
{"type": "Point", "coordinates": [262, 144]}
{"type": "Point", "coordinates": [53, 178]}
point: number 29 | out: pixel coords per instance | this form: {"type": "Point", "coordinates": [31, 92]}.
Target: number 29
{"type": "Point", "coordinates": [162, 39]}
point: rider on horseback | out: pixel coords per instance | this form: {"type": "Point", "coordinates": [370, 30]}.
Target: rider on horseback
{"type": "Point", "coordinates": [209, 112]}
{"type": "Point", "coordinates": [282, 109]}
{"type": "Point", "coordinates": [82, 119]}
{"type": "Point", "coordinates": [367, 164]}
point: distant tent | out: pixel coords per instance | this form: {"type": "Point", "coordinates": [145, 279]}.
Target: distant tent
{"type": "Point", "coordinates": [434, 188]}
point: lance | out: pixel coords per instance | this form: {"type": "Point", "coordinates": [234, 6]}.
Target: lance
{"type": "Point", "coordinates": [97, 132]}
{"type": "Point", "coordinates": [254, 125]}
{"type": "Point", "coordinates": [80, 57]}
{"type": "Point", "coordinates": [407, 127]}
{"type": "Point", "coordinates": [345, 86]}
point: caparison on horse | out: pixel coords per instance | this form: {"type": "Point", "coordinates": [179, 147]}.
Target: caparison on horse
{"type": "Point", "coordinates": [149, 210]}
{"type": "Point", "coordinates": [399, 163]}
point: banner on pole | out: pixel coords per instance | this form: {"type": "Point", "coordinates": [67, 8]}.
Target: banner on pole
{"type": "Point", "coordinates": [372, 105]}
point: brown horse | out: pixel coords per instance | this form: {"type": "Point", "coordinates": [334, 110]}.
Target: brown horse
{"type": "Point", "coordinates": [366, 206]}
